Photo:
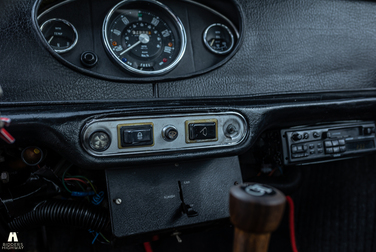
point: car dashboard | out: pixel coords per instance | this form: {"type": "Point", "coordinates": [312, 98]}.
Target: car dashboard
{"type": "Point", "coordinates": [127, 122]}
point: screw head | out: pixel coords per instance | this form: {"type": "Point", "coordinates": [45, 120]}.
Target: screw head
{"type": "Point", "coordinates": [117, 201]}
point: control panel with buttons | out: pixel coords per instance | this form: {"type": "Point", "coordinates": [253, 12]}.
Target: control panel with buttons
{"type": "Point", "coordinates": [157, 134]}
{"type": "Point", "coordinates": [310, 144]}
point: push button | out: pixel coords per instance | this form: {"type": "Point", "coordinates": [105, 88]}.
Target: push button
{"type": "Point", "coordinates": [300, 155]}
{"type": "Point", "coordinates": [300, 148]}
{"type": "Point", "coordinates": [316, 134]}
{"type": "Point", "coordinates": [202, 131]}
{"type": "Point", "coordinates": [328, 144]}
{"type": "Point", "coordinates": [294, 149]}
{"type": "Point", "coordinates": [329, 150]}
{"type": "Point", "coordinates": [335, 143]}
{"type": "Point", "coordinates": [306, 135]}
{"type": "Point", "coordinates": [341, 142]}
{"type": "Point", "coordinates": [369, 130]}
{"type": "Point", "coordinates": [136, 135]}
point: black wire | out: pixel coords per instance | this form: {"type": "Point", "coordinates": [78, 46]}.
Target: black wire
{"type": "Point", "coordinates": [99, 239]}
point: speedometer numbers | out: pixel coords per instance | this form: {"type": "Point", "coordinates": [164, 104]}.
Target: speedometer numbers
{"type": "Point", "coordinates": [144, 37]}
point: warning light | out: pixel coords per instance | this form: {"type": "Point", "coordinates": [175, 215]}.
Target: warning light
{"type": "Point", "coordinates": [114, 43]}
{"type": "Point", "coordinates": [124, 60]}
{"type": "Point", "coordinates": [170, 44]}
{"type": "Point", "coordinates": [164, 60]}
{"type": "Point", "coordinates": [36, 151]}
{"type": "Point", "coordinates": [149, 32]}
{"type": "Point", "coordinates": [140, 14]}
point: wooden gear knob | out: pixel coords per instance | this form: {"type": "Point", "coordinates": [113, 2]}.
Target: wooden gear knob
{"type": "Point", "coordinates": [255, 210]}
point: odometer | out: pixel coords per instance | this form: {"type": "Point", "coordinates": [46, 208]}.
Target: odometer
{"type": "Point", "coordinates": [144, 37]}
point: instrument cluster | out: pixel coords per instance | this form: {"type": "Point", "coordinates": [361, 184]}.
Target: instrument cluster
{"type": "Point", "coordinates": [139, 38]}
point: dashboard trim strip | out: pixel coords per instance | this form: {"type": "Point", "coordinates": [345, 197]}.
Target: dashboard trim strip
{"type": "Point", "coordinates": [228, 141]}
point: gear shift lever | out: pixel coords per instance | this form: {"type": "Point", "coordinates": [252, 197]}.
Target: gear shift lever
{"type": "Point", "coordinates": [256, 211]}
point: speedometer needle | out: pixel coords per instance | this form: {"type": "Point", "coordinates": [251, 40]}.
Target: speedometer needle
{"type": "Point", "coordinates": [131, 47]}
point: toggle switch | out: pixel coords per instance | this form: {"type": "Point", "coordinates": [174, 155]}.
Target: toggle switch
{"type": "Point", "coordinates": [186, 208]}
{"type": "Point", "coordinates": [202, 131]}
{"type": "Point", "coordinates": [136, 135]}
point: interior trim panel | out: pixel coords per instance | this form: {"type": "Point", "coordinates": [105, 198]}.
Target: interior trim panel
{"type": "Point", "coordinates": [181, 122]}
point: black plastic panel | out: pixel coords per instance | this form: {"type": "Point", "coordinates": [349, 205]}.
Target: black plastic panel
{"type": "Point", "coordinates": [327, 142]}
{"type": "Point", "coordinates": [150, 194]}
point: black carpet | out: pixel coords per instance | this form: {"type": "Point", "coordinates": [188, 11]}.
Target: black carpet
{"type": "Point", "coordinates": [336, 207]}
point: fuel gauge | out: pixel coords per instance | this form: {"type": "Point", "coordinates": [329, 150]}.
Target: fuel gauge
{"type": "Point", "coordinates": [218, 38]}
{"type": "Point", "coordinates": [60, 34]}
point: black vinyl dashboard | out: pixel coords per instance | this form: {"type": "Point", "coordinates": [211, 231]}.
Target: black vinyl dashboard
{"type": "Point", "coordinates": [125, 89]}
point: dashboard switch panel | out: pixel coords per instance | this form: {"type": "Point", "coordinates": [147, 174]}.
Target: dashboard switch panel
{"type": "Point", "coordinates": [194, 192]}
{"type": "Point", "coordinates": [166, 133]}
{"type": "Point", "coordinates": [328, 142]}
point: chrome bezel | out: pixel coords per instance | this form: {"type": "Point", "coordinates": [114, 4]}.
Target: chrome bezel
{"type": "Point", "coordinates": [179, 26]}
{"type": "Point", "coordinates": [218, 14]}
{"type": "Point", "coordinates": [160, 144]}
{"type": "Point", "coordinates": [53, 7]}
{"type": "Point", "coordinates": [67, 23]}
{"type": "Point", "coordinates": [207, 44]}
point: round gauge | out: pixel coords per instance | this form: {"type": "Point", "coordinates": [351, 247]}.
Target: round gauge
{"type": "Point", "coordinates": [218, 38]}
{"type": "Point", "coordinates": [60, 34]}
{"type": "Point", "coordinates": [144, 37]}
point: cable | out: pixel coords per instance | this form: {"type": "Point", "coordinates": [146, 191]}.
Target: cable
{"type": "Point", "coordinates": [63, 213]}
{"type": "Point", "coordinates": [92, 186]}
{"type": "Point", "coordinates": [82, 194]}
{"type": "Point", "coordinates": [98, 198]}
{"type": "Point", "coordinates": [104, 238]}
{"type": "Point", "coordinates": [292, 223]}
{"type": "Point", "coordinates": [95, 236]}
{"type": "Point", "coordinates": [76, 179]}
{"type": "Point", "coordinates": [83, 189]}
{"type": "Point", "coordinates": [63, 181]}
{"type": "Point", "coordinates": [147, 247]}
{"type": "Point", "coordinates": [272, 172]}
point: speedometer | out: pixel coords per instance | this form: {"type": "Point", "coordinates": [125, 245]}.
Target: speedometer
{"type": "Point", "coordinates": [144, 37]}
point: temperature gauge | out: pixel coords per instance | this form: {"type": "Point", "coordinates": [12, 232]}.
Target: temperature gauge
{"type": "Point", "coordinates": [60, 34]}
{"type": "Point", "coordinates": [218, 38]}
